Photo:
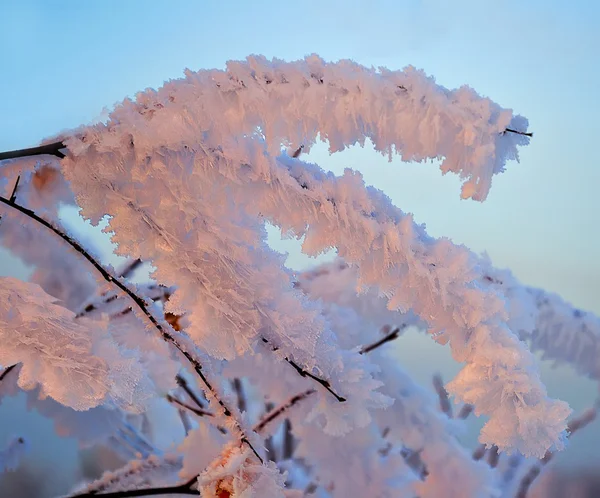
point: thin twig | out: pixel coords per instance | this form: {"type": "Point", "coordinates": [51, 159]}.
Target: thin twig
{"type": "Point", "coordinates": [52, 149]}
{"type": "Point", "coordinates": [194, 410]}
{"type": "Point", "coordinates": [181, 382]}
{"type": "Point", "coordinates": [13, 195]}
{"type": "Point", "coordinates": [130, 268]}
{"type": "Point", "coordinates": [274, 414]}
{"type": "Point", "coordinates": [304, 373]}
{"type": "Point", "coordinates": [141, 304]}
{"type": "Point", "coordinates": [394, 334]}
{"type": "Point", "coordinates": [181, 489]}
{"type": "Point", "coordinates": [510, 130]}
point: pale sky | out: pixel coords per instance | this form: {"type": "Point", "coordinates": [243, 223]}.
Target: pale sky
{"type": "Point", "coordinates": [62, 62]}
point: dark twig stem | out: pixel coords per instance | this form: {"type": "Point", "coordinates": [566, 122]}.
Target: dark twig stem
{"type": "Point", "coordinates": [166, 335]}
{"type": "Point", "coordinates": [276, 413]}
{"type": "Point", "coordinates": [13, 195]}
{"type": "Point", "coordinates": [394, 334]}
{"type": "Point", "coordinates": [181, 489]}
{"type": "Point", "coordinates": [193, 409]}
{"type": "Point", "coordinates": [181, 382]}
{"type": "Point", "coordinates": [304, 373]}
{"type": "Point", "coordinates": [52, 149]}
{"type": "Point", "coordinates": [517, 132]}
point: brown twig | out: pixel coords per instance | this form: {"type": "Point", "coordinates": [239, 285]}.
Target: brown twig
{"type": "Point", "coordinates": [166, 335]}
{"type": "Point", "coordinates": [274, 414]}
{"type": "Point", "coordinates": [394, 334]}
{"type": "Point", "coordinates": [130, 268]}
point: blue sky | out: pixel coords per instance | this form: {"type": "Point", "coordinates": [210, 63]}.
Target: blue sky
{"type": "Point", "coordinates": [62, 62]}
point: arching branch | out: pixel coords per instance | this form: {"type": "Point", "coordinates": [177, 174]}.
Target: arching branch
{"type": "Point", "coordinates": [165, 333]}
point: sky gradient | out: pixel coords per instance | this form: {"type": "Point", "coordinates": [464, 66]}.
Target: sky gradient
{"type": "Point", "coordinates": [64, 62]}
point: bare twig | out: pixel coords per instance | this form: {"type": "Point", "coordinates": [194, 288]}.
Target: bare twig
{"type": "Point", "coordinates": [52, 149]}
{"type": "Point", "coordinates": [394, 334]}
{"type": "Point", "coordinates": [510, 130]}
{"type": "Point", "coordinates": [166, 335]}
{"type": "Point", "coordinates": [130, 268]}
{"type": "Point", "coordinates": [13, 195]}
{"type": "Point", "coordinates": [304, 373]}
{"type": "Point", "coordinates": [181, 382]}
{"type": "Point", "coordinates": [276, 413]}
{"type": "Point", "coordinates": [194, 410]}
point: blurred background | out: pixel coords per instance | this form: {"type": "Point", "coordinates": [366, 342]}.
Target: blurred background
{"type": "Point", "coordinates": [64, 63]}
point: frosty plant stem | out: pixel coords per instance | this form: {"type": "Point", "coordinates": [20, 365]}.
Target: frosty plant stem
{"type": "Point", "coordinates": [165, 333]}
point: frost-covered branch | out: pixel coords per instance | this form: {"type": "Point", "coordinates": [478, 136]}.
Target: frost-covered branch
{"type": "Point", "coordinates": [140, 303]}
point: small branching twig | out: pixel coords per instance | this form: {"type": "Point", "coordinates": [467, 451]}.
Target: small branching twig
{"type": "Point", "coordinates": [181, 382]}
{"type": "Point", "coordinates": [194, 410]}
